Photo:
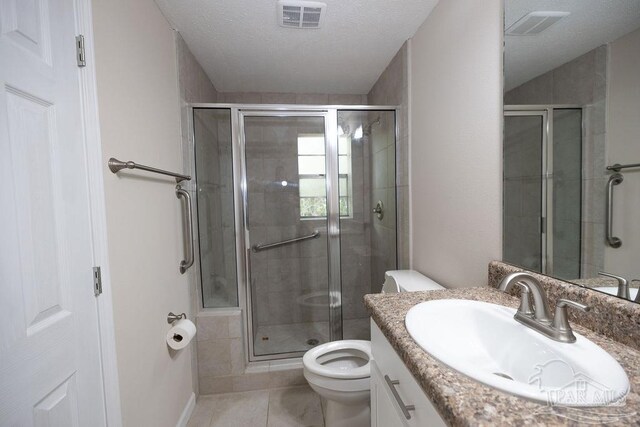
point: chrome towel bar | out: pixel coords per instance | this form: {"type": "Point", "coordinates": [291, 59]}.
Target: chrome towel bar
{"type": "Point", "coordinates": [116, 166]}
{"type": "Point", "coordinates": [261, 247]}
{"type": "Point", "coordinates": [614, 179]}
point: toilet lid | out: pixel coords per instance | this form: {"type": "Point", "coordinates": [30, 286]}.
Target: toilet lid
{"type": "Point", "coordinates": [345, 348]}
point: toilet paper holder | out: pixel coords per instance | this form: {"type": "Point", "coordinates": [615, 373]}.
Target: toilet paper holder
{"type": "Point", "coordinates": [171, 317]}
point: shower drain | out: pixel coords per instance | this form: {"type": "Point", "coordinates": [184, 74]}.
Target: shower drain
{"type": "Point", "coordinates": [500, 374]}
{"type": "Point", "coordinates": [312, 341]}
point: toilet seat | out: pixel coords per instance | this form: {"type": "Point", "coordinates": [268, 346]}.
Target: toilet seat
{"type": "Point", "coordinates": [336, 359]}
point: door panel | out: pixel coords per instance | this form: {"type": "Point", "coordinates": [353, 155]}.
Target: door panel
{"type": "Point", "coordinates": [523, 191]}
{"type": "Point", "coordinates": [50, 371]}
{"type": "Point", "coordinates": [286, 198]}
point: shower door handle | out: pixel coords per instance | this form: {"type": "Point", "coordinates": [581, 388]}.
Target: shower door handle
{"type": "Point", "coordinates": [614, 179]}
{"type": "Point", "coordinates": [188, 229]}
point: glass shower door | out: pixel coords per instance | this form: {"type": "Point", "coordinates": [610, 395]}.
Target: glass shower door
{"type": "Point", "coordinates": [524, 236]}
{"type": "Point", "coordinates": [286, 231]}
{"type": "Point", "coordinates": [215, 207]}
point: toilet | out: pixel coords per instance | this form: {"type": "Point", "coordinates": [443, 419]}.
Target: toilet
{"type": "Point", "coordinates": [339, 371]}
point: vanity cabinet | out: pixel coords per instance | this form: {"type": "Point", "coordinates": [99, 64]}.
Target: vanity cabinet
{"type": "Point", "coordinates": [393, 387]}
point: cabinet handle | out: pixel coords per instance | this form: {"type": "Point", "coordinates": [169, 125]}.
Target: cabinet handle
{"type": "Point", "coordinates": [404, 408]}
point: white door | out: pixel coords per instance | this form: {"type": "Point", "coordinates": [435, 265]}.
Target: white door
{"type": "Point", "coordinates": [50, 368]}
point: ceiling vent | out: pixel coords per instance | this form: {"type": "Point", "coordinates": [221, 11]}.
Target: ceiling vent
{"type": "Point", "coordinates": [534, 23]}
{"type": "Point", "coordinates": [300, 14]}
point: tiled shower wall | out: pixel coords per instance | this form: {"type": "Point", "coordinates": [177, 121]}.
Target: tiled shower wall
{"type": "Point", "coordinates": [355, 233]}
{"type": "Point", "coordinates": [222, 358]}
{"type": "Point", "coordinates": [383, 189]}
{"type": "Point", "coordinates": [392, 88]}
{"type": "Point", "coordinates": [581, 81]}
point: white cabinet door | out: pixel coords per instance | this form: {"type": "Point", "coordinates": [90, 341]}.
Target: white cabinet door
{"type": "Point", "coordinates": [383, 410]}
{"type": "Point", "coordinates": [407, 388]}
{"type": "Point", "coordinates": [50, 369]}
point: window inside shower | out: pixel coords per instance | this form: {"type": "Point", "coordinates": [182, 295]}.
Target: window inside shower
{"type": "Point", "coordinates": [312, 176]}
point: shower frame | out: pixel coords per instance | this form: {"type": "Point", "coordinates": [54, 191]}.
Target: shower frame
{"type": "Point", "coordinates": [546, 112]}
{"type": "Point", "coordinates": [240, 197]}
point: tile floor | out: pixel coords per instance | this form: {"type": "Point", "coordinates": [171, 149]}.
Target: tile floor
{"type": "Point", "coordinates": [282, 407]}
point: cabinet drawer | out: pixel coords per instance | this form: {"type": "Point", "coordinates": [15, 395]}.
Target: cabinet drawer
{"type": "Point", "coordinates": [407, 391]}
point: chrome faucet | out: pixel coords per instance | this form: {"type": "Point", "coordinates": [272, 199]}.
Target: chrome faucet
{"type": "Point", "coordinates": [623, 284]}
{"type": "Point", "coordinates": [538, 317]}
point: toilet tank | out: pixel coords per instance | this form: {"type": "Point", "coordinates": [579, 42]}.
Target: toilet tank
{"type": "Point", "coordinates": [407, 281]}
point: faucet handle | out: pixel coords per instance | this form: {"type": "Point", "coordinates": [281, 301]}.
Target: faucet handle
{"type": "Point", "coordinates": [623, 284]}
{"type": "Point", "coordinates": [621, 280]}
{"type": "Point", "coordinates": [525, 300]}
{"type": "Point", "coordinates": [561, 322]}
{"type": "Point", "coordinates": [638, 294]}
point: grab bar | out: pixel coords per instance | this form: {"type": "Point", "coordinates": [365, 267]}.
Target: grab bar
{"type": "Point", "coordinates": [188, 229]}
{"type": "Point", "coordinates": [614, 179]}
{"type": "Point", "coordinates": [116, 166]}
{"type": "Point", "coordinates": [261, 247]}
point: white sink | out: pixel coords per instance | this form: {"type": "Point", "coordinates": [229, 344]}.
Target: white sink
{"type": "Point", "coordinates": [613, 290]}
{"type": "Point", "coordinates": [484, 342]}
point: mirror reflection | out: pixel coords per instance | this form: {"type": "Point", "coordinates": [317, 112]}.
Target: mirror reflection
{"type": "Point", "coordinates": [571, 179]}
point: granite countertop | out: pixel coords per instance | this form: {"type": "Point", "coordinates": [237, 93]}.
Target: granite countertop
{"type": "Point", "coordinates": [462, 401]}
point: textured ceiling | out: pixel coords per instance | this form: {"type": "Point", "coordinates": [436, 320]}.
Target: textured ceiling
{"type": "Point", "coordinates": [591, 24]}
{"type": "Point", "coordinates": [242, 48]}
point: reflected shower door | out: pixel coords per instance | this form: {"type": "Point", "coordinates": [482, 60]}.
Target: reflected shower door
{"type": "Point", "coordinates": [524, 237]}
{"type": "Point", "coordinates": [567, 194]}
{"type": "Point", "coordinates": [286, 199]}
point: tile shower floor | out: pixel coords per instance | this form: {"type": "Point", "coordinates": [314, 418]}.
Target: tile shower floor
{"type": "Point", "coordinates": [284, 407]}
{"type": "Point", "coordinates": [294, 337]}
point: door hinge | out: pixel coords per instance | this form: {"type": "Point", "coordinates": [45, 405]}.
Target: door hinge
{"type": "Point", "coordinates": [97, 281]}
{"type": "Point", "coordinates": [543, 225]}
{"type": "Point", "coordinates": [80, 56]}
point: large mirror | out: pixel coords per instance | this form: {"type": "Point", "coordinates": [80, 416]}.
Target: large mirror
{"type": "Point", "coordinates": [572, 141]}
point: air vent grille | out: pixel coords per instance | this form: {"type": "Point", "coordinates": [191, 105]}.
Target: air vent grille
{"type": "Point", "coordinates": [300, 14]}
{"type": "Point", "coordinates": [534, 23]}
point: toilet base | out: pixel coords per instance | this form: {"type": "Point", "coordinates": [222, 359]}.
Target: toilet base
{"type": "Point", "coordinates": [337, 414]}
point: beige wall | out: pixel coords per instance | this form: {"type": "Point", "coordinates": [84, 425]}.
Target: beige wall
{"type": "Point", "coordinates": [456, 142]}
{"type": "Point", "coordinates": [193, 86]}
{"type": "Point", "coordinates": [140, 121]}
{"type": "Point", "coordinates": [623, 134]}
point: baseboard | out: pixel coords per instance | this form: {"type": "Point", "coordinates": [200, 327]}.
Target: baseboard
{"type": "Point", "coordinates": [188, 410]}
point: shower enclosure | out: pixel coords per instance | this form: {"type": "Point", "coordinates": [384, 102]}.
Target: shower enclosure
{"type": "Point", "coordinates": [542, 186]}
{"type": "Point", "coordinates": [286, 223]}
